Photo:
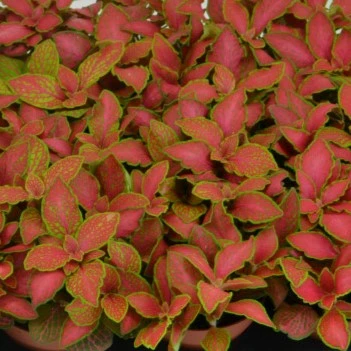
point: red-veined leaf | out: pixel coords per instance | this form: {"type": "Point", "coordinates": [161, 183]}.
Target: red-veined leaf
{"type": "Point", "coordinates": [298, 321]}
{"type": "Point", "coordinates": [72, 333]}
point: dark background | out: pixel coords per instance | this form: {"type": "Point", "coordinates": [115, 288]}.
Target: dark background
{"type": "Point", "coordinates": [256, 338]}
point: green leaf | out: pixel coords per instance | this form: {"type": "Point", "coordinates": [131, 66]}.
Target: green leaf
{"type": "Point", "coordinates": [44, 59]}
{"type": "Point", "coordinates": [216, 339]}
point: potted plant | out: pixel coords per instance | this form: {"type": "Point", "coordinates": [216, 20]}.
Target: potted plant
{"type": "Point", "coordinates": [170, 165]}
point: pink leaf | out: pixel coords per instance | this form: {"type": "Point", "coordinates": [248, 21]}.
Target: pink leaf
{"type": "Point", "coordinates": [334, 330]}
{"type": "Point", "coordinates": [153, 178]}
{"type": "Point", "coordinates": [13, 32]}
{"type": "Point", "coordinates": [337, 225]}
{"type": "Point", "coordinates": [145, 304]}
{"type": "Point", "coordinates": [313, 244]}
{"type": "Point", "coordinates": [237, 15]}
{"type": "Point", "coordinates": [266, 245]}
{"type": "Point", "coordinates": [250, 309]}
{"type": "Point", "coordinates": [320, 26]}
{"type": "Point", "coordinates": [17, 307]}
{"type": "Point", "coordinates": [211, 296]}
{"type": "Point", "coordinates": [342, 280]}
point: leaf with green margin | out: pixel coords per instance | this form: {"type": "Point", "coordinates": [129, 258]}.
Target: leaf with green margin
{"type": "Point", "coordinates": [46, 257]}
{"type": "Point", "coordinates": [233, 257]}
{"type": "Point", "coordinates": [100, 339]}
{"type": "Point", "coordinates": [17, 307]}
{"type": "Point", "coordinates": [45, 285]}
{"type": "Point", "coordinates": [87, 281]}
{"type": "Point", "coordinates": [255, 207]}
{"type": "Point", "coordinates": [12, 194]}
{"type": "Point", "coordinates": [48, 326]}
{"type": "Point", "coordinates": [151, 335]}
{"type": "Point", "coordinates": [72, 334]}
{"type": "Point", "coordinates": [66, 168]}
{"type": "Point", "coordinates": [298, 321]}
{"type": "Point", "coordinates": [6, 269]}
{"type": "Point", "coordinates": [60, 209]}
{"type": "Point", "coordinates": [39, 156]}
{"type": "Point", "coordinates": [105, 117]}
{"type": "Point", "coordinates": [124, 256]}
{"type": "Point", "coordinates": [38, 90]}
{"type": "Point", "coordinates": [293, 272]}
{"type": "Point", "coordinates": [198, 89]}
{"type": "Point", "coordinates": [98, 64]}
{"type": "Point", "coordinates": [10, 67]}
{"type": "Point", "coordinates": [45, 59]}
{"type": "Point", "coordinates": [115, 307]}
{"type": "Point", "coordinates": [160, 136]}
{"type": "Point", "coordinates": [211, 296]}
{"type": "Point", "coordinates": [237, 15]}
{"type": "Point", "coordinates": [96, 230]}
{"type": "Point", "coordinates": [188, 213]}
{"type": "Point", "coordinates": [216, 339]}
{"type": "Point", "coordinates": [251, 160]}
{"type": "Point", "coordinates": [31, 225]}
{"type": "Point", "coordinates": [264, 78]}
{"type": "Point", "coordinates": [343, 94]}
{"type": "Point", "coordinates": [333, 329]}
{"type": "Point", "coordinates": [251, 309]}
{"type": "Point", "coordinates": [83, 314]}
{"type": "Point", "coordinates": [134, 76]}
{"type": "Point", "coordinates": [145, 304]}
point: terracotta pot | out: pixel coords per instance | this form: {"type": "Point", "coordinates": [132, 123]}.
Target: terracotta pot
{"type": "Point", "coordinates": [193, 338]}
{"type": "Point", "coordinates": [22, 337]}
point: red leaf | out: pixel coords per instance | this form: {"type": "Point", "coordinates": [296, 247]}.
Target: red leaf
{"type": "Point", "coordinates": [164, 53]}
{"type": "Point", "coordinates": [178, 304]}
{"type": "Point", "coordinates": [131, 151]}
{"type": "Point", "coordinates": [198, 89]}
{"type": "Point", "coordinates": [298, 321]}
{"type": "Point", "coordinates": [135, 76]}
{"type": "Point", "coordinates": [344, 101]}
{"type": "Point", "coordinates": [340, 49]}
{"type": "Point", "coordinates": [318, 155]}
{"type": "Point", "coordinates": [237, 15]}
{"type": "Point", "coordinates": [290, 47]}
{"type": "Point", "coordinates": [97, 230]}
{"type": "Point", "coordinates": [13, 32]}
{"type": "Point", "coordinates": [293, 270]}
{"type": "Point", "coordinates": [233, 257]}
{"type": "Point", "coordinates": [21, 7]}
{"type": "Point", "coordinates": [72, 333]}
{"type": "Point", "coordinates": [48, 22]}
{"type": "Point", "coordinates": [192, 154]}
{"type": "Point", "coordinates": [115, 307]}
{"type": "Point", "coordinates": [255, 207]}
{"type": "Point", "coordinates": [251, 309]}
{"type": "Point", "coordinates": [229, 113]}
{"type": "Point", "coordinates": [266, 245]}
{"type": "Point", "coordinates": [38, 90]}
{"type": "Point", "coordinates": [46, 257]}
{"type": "Point", "coordinates": [313, 244]}
{"type": "Point", "coordinates": [145, 304]}
{"type": "Point", "coordinates": [153, 178]}
{"type": "Point", "coordinates": [252, 160]}
{"type": "Point", "coordinates": [196, 258]}
{"type": "Point", "coordinates": [12, 194]}
{"type": "Point", "coordinates": [109, 25]}
{"type": "Point", "coordinates": [72, 47]}
{"type": "Point", "coordinates": [202, 129]}
{"type": "Point", "coordinates": [60, 209]}
{"type": "Point", "coordinates": [17, 307]}
{"type": "Point", "coordinates": [319, 26]}
{"type": "Point", "coordinates": [333, 329]}
{"type": "Point", "coordinates": [82, 314]}
{"type": "Point", "coordinates": [337, 225]}
{"type": "Point", "coordinates": [227, 51]}
{"type": "Point", "coordinates": [44, 286]}
{"type": "Point", "coordinates": [211, 296]}
{"type": "Point", "coordinates": [151, 335]}
{"type": "Point", "coordinates": [309, 291]}
{"type": "Point", "coordinates": [223, 79]}
{"type": "Point", "coordinates": [124, 256]}
{"type": "Point", "coordinates": [86, 282]}
{"type": "Point", "coordinates": [342, 280]}
{"type": "Point", "coordinates": [216, 339]}
{"type": "Point", "coordinates": [266, 11]}
{"type": "Point", "coordinates": [264, 78]}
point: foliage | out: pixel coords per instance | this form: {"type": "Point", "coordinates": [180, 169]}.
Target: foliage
{"type": "Point", "coordinates": [162, 161]}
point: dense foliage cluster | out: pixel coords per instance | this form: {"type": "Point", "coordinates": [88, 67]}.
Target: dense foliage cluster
{"type": "Point", "coordinates": [162, 160]}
